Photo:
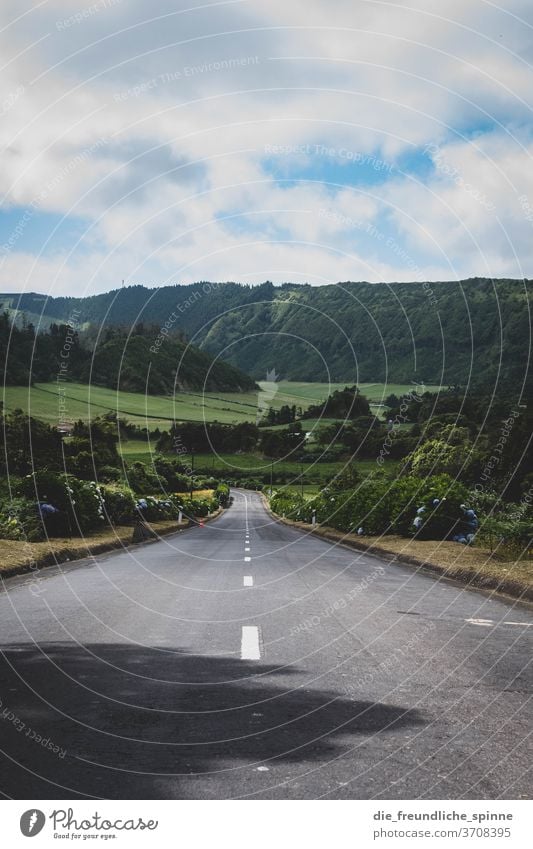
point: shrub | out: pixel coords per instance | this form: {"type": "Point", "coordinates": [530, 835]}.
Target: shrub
{"type": "Point", "coordinates": [20, 520]}
{"type": "Point", "coordinates": [288, 504]}
{"type": "Point", "coordinates": [86, 503]}
{"type": "Point", "coordinates": [142, 478]}
{"type": "Point", "coordinates": [108, 474]}
{"type": "Point", "coordinates": [156, 509]}
{"type": "Point", "coordinates": [119, 503]}
{"type": "Point", "coordinates": [222, 494]}
{"type": "Point", "coordinates": [198, 507]}
{"type": "Point", "coordinates": [440, 521]}
{"type": "Point", "coordinates": [380, 505]}
{"type": "Point", "coordinates": [512, 538]}
{"type": "Point", "coordinates": [251, 483]}
{"type": "Point", "coordinates": [80, 502]}
{"type": "Point", "coordinates": [45, 485]}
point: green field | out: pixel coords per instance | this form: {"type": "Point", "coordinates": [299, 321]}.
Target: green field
{"type": "Point", "coordinates": [80, 401]}
{"type": "Point", "coordinates": [253, 463]}
{"type": "Point", "coordinates": [207, 464]}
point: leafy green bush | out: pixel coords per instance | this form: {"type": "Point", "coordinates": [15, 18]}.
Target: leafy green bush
{"type": "Point", "coordinates": [80, 502]}
{"type": "Point", "coordinates": [155, 509]}
{"type": "Point", "coordinates": [251, 483]}
{"type": "Point", "coordinates": [289, 504]}
{"type": "Point", "coordinates": [85, 506]}
{"type": "Point", "coordinates": [142, 478]}
{"type": "Point", "coordinates": [20, 520]}
{"type": "Point", "coordinates": [119, 503]}
{"type": "Point", "coordinates": [222, 494]}
{"type": "Point", "coordinates": [441, 520]}
{"type": "Point", "coordinates": [86, 503]}
{"type": "Point", "coordinates": [512, 538]}
{"type": "Point", "coordinates": [379, 505]}
{"type": "Point", "coordinates": [46, 486]}
{"type": "Point", "coordinates": [198, 507]}
{"type": "Point", "coordinates": [109, 474]}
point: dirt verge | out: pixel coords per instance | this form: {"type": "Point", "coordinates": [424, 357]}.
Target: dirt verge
{"type": "Point", "coordinates": [18, 557]}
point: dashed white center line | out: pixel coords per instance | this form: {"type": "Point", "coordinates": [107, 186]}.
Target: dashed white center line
{"type": "Point", "coordinates": [246, 549]}
{"type": "Point", "coordinates": [489, 623]}
{"type": "Point", "coordinates": [248, 581]}
{"type": "Point", "coordinates": [250, 643]}
{"type": "Point", "coordinates": [247, 559]}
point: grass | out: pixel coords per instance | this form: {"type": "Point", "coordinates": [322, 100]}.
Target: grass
{"type": "Point", "coordinates": [255, 464]}
{"type": "Point", "coordinates": [471, 564]}
{"type": "Point", "coordinates": [365, 468]}
{"type": "Point", "coordinates": [308, 425]}
{"type": "Point", "coordinates": [314, 474]}
{"type": "Point", "coordinates": [80, 401]}
{"type": "Point", "coordinates": [16, 554]}
{"type": "Point", "coordinates": [197, 493]}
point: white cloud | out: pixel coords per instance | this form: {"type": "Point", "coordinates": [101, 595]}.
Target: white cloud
{"type": "Point", "coordinates": [153, 126]}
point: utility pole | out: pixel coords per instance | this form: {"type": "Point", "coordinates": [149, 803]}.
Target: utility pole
{"type": "Point", "coordinates": [192, 473]}
{"type": "Point", "coordinates": [271, 474]}
{"type": "Point", "coordinates": [302, 480]}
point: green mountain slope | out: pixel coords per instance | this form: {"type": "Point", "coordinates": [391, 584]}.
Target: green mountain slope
{"type": "Point", "coordinates": [115, 359]}
{"type": "Point", "coordinates": [475, 331]}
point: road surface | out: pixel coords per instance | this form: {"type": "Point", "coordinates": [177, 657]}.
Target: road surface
{"type": "Point", "coordinates": [247, 659]}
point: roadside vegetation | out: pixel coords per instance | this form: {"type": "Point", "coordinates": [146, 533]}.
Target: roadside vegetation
{"type": "Point", "coordinates": [378, 461]}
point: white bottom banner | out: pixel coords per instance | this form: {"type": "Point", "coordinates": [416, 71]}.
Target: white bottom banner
{"type": "Point", "coordinates": [262, 824]}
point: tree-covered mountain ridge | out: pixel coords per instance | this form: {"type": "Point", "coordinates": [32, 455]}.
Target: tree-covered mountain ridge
{"type": "Point", "coordinates": [140, 360]}
{"type": "Point", "coordinates": [475, 331]}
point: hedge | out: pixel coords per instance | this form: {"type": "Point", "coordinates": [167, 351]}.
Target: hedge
{"type": "Point", "coordinates": [378, 504]}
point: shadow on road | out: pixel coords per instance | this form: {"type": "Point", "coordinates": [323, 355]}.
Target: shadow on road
{"type": "Point", "coordinates": [133, 722]}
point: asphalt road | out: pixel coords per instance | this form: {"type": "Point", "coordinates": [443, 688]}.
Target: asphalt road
{"type": "Point", "coordinates": [247, 659]}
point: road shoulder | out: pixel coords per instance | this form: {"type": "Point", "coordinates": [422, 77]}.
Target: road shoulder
{"type": "Point", "coordinates": [475, 567]}
{"type": "Point", "coordinates": [20, 557]}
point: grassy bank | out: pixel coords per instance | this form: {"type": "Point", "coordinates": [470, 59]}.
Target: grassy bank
{"type": "Point", "coordinates": [18, 557]}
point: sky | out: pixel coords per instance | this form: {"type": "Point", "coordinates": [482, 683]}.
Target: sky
{"type": "Point", "coordinates": [251, 140]}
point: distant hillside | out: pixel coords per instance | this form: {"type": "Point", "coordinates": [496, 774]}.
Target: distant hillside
{"type": "Point", "coordinates": [114, 359]}
{"type": "Point", "coordinates": [472, 331]}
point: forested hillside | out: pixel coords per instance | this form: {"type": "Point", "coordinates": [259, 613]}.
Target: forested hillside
{"type": "Point", "coordinates": [467, 332]}
{"type": "Point", "coordinates": [115, 358]}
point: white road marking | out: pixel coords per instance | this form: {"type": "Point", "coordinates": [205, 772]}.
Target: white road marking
{"type": "Point", "coordinates": [524, 624]}
{"type": "Point", "coordinates": [489, 623]}
{"type": "Point", "coordinates": [246, 549]}
{"type": "Point", "coordinates": [247, 559]}
{"type": "Point", "coordinates": [250, 643]}
{"type": "Point", "coordinates": [248, 581]}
